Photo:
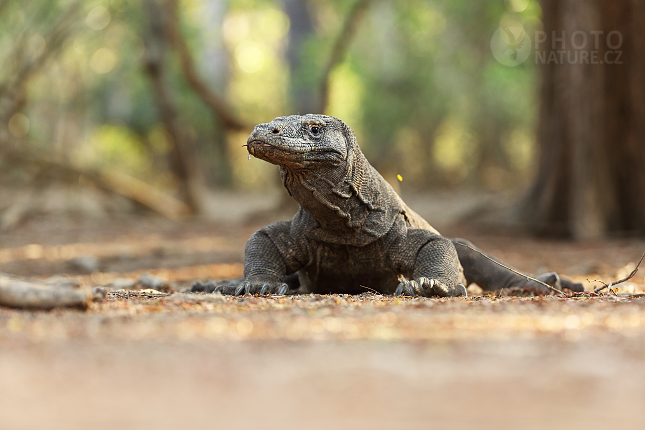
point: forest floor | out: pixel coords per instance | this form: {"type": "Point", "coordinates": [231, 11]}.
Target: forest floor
{"type": "Point", "coordinates": [163, 359]}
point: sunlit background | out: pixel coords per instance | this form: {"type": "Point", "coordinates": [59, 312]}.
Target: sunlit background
{"type": "Point", "coordinates": [416, 80]}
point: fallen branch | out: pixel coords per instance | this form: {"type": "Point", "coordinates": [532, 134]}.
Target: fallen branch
{"type": "Point", "coordinates": [625, 279]}
{"type": "Point", "coordinates": [25, 293]}
{"type": "Point", "coordinates": [511, 269]}
{"type": "Point", "coordinates": [107, 180]}
{"type": "Point", "coordinates": [144, 194]}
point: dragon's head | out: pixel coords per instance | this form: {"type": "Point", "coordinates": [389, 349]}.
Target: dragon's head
{"type": "Point", "coordinates": [302, 141]}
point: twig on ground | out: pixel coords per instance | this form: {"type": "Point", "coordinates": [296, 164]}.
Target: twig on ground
{"type": "Point", "coordinates": [25, 293]}
{"type": "Point", "coordinates": [371, 289]}
{"type": "Point", "coordinates": [511, 269]}
{"type": "Point", "coordinates": [611, 284]}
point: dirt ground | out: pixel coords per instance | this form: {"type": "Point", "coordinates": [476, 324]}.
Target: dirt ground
{"type": "Point", "coordinates": [166, 359]}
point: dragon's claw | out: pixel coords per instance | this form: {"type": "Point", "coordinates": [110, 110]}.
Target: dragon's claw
{"type": "Point", "coordinates": [427, 287]}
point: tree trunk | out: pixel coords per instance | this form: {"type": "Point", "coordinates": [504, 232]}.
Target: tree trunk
{"type": "Point", "coordinates": [303, 88]}
{"type": "Point", "coordinates": [182, 159]}
{"type": "Point", "coordinates": [591, 176]}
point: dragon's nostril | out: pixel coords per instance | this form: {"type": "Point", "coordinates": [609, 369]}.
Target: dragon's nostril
{"type": "Point", "coordinates": [275, 131]}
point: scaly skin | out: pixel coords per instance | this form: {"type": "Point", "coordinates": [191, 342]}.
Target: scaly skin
{"type": "Point", "coordinates": [352, 230]}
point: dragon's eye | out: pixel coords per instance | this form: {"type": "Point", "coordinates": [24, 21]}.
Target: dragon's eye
{"type": "Point", "coordinates": [315, 129]}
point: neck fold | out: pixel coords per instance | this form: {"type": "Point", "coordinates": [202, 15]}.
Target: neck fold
{"type": "Point", "coordinates": [351, 200]}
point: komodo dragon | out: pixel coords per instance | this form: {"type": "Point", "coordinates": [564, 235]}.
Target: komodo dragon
{"type": "Point", "coordinates": [352, 230]}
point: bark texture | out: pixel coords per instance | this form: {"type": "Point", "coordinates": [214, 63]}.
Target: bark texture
{"type": "Point", "coordinates": [591, 176]}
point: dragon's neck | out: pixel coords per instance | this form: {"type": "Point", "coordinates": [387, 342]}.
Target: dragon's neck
{"type": "Point", "coordinates": [349, 204]}
{"type": "Point", "coordinates": [343, 197]}
{"type": "Point", "coordinates": [316, 191]}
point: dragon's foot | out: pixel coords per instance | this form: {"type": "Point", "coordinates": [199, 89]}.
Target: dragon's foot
{"type": "Point", "coordinates": [239, 287]}
{"type": "Point", "coordinates": [429, 287]}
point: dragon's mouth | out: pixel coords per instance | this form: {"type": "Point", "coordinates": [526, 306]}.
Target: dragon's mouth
{"type": "Point", "coordinates": [285, 147]}
{"type": "Point", "coordinates": [256, 142]}
{"type": "Point", "coordinates": [281, 147]}
{"type": "Point", "coordinates": [273, 153]}
{"type": "Point", "coordinates": [281, 152]}
{"type": "Point", "coordinates": [258, 147]}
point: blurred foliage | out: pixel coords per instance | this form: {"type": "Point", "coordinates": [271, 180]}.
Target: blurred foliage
{"type": "Point", "coordinates": [418, 84]}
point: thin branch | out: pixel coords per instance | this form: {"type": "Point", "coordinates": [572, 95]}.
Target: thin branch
{"type": "Point", "coordinates": [511, 269]}
{"type": "Point", "coordinates": [58, 34]}
{"type": "Point", "coordinates": [370, 289]}
{"type": "Point", "coordinates": [340, 47]}
{"type": "Point", "coordinates": [611, 284]}
{"type": "Point", "coordinates": [212, 100]}
{"type": "Point", "coordinates": [13, 90]}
